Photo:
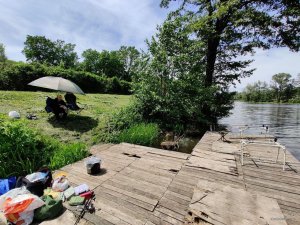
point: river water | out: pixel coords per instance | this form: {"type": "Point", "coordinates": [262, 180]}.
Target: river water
{"type": "Point", "coordinates": [283, 121]}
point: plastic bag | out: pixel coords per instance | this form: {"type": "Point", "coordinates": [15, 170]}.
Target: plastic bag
{"type": "Point", "coordinates": [12, 194]}
{"type": "Point", "coordinates": [14, 114]}
{"type": "Point", "coordinates": [60, 184]}
{"type": "Point", "coordinates": [20, 209]}
{"type": "Point", "coordinates": [92, 160]}
{"type": "Point", "coordinates": [36, 177]}
{"type": "Point", "coordinates": [81, 189]}
{"type": "Point", "coordinates": [7, 184]}
{"type": "Point", "coordinates": [93, 165]}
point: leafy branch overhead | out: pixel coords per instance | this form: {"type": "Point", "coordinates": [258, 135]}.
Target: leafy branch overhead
{"type": "Point", "coordinates": [232, 28]}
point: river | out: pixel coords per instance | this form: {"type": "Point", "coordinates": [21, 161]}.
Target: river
{"type": "Point", "coordinates": [283, 121]}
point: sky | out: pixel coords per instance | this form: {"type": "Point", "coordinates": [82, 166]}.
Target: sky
{"type": "Point", "coordinates": [108, 24]}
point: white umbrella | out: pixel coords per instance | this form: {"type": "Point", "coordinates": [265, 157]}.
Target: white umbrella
{"type": "Point", "coordinates": [57, 83]}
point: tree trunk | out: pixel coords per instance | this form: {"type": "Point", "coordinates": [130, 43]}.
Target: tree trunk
{"type": "Point", "coordinates": [211, 56]}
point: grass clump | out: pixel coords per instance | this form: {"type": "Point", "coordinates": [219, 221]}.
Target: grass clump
{"type": "Point", "coordinates": [142, 133]}
{"type": "Point", "coordinates": [23, 150]}
{"type": "Point", "coordinates": [67, 154]}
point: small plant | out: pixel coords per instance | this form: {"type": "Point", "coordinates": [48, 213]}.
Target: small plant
{"type": "Point", "coordinates": [142, 133]}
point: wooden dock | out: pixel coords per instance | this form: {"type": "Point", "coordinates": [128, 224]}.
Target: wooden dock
{"type": "Point", "coordinates": [145, 186]}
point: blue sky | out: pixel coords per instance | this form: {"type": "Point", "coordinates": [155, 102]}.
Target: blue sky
{"type": "Point", "coordinates": [108, 24]}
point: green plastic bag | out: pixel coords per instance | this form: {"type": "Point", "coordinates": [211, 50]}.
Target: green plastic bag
{"type": "Point", "coordinates": [76, 200]}
{"type": "Point", "coordinates": [50, 210]}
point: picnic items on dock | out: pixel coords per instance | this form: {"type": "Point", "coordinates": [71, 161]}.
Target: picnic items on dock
{"type": "Point", "coordinates": [37, 197]}
{"type": "Point", "coordinates": [69, 193]}
{"type": "Point", "coordinates": [76, 200]}
{"type": "Point", "coordinates": [81, 189]}
{"type": "Point", "coordinates": [50, 192]}
{"type": "Point", "coordinates": [51, 209]}
{"type": "Point", "coordinates": [18, 206]}
{"type": "Point", "coordinates": [60, 184]}
{"type": "Point", "coordinates": [7, 184]}
{"type": "Point", "coordinates": [36, 182]}
{"type": "Point", "coordinates": [93, 165]}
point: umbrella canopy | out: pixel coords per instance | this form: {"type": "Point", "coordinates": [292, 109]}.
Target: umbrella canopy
{"type": "Point", "coordinates": [57, 83]}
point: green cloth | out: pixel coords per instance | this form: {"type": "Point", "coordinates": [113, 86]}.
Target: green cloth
{"type": "Point", "coordinates": [76, 200]}
{"type": "Point", "coordinates": [50, 210]}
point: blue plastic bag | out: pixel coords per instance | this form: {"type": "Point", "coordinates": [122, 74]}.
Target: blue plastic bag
{"type": "Point", "coordinates": [7, 184]}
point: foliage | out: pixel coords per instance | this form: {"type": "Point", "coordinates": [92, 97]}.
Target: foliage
{"type": "Point", "coordinates": [170, 86]}
{"type": "Point", "coordinates": [24, 150]}
{"type": "Point", "coordinates": [142, 133]}
{"type": "Point", "coordinates": [231, 28]}
{"type": "Point", "coordinates": [54, 53]}
{"type": "Point", "coordinates": [282, 89]}
{"type": "Point", "coordinates": [257, 92]}
{"type": "Point", "coordinates": [129, 57]}
{"type": "Point", "coordinates": [118, 121]}
{"type": "Point", "coordinates": [16, 76]}
{"type": "Point", "coordinates": [283, 86]}
{"type": "Point", "coordinates": [68, 154]}
{"type": "Point", "coordinates": [111, 63]}
{"type": "Point", "coordinates": [3, 57]}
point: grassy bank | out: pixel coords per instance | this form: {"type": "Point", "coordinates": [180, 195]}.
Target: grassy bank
{"type": "Point", "coordinates": [82, 127]}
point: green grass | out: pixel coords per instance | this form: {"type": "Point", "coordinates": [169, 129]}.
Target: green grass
{"type": "Point", "coordinates": [83, 127]}
{"type": "Point", "coordinates": [142, 134]}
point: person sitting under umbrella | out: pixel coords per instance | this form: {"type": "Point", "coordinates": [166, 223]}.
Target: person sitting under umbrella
{"type": "Point", "coordinates": [59, 107]}
{"type": "Point", "coordinates": [71, 101]}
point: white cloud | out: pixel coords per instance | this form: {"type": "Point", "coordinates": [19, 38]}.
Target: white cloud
{"type": "Point", "coordinates": [108, 24]}
{"type": "Point", "coordinates": [97, 24]}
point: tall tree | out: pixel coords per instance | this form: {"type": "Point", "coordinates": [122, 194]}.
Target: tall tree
{"type": "Point", "coordinates": [54, 53]}
{"type": "Point", "coordinates": [91, 61]}
{"type": "Point", "coordinates": [3, 57]}
{"type": "Point", "coordinates": [283, 86]}
{"type": "Point", "coordinates": [230, 28]}
{"type": "Point", "coordinates": [170, 86]}
{"type": "Point", "coordinates": [105, 62]}
{"type": "Point", "coordinates": [129, 56]}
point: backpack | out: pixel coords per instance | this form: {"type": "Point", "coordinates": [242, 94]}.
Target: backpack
{"type": "Point", "coordinates": [36, 188]}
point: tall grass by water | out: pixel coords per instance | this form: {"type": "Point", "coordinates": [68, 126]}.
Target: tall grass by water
{"type": "Point", "coordinates": [142, 133]}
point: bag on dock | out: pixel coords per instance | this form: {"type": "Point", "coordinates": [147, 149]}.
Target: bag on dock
{"type": "Point", "coordinates": [7, 184]}
{"type": "Point", "coordinates": [36, 182]}
{"type": "Point", "coordinates": [50, 210]}
{"type": "Point", "coordinates": [93, 165]}
{"type": "Point", "coordinates": [76, 200]}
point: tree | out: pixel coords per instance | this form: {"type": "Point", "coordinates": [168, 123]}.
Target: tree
{"type": "Point", "coordinates": [257, 92]}
{"type": "Point", "coordinates": [108, 63]}
{"type": "Point", "coordinates": [54, 53]}
{"type": "Point", "coordinates": [129, 56]}
{"type": "Point", "coordinates": [111, 65]}
{"type": "Point", "coordinates": [283, 86]}
{"type": "Point", "coordinates": [230, 28]}
{"type": "Point", "coordinates": [91, 61]}
{"type": "Point", "coordinates": [170, 86]}
{"type": "Point", "coordinates": [3, 57]}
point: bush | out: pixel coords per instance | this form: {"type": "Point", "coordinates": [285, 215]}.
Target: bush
{"type": "Point", "coordinates": [23, 150]}
{"type": "Point", "coordinates": [142, 134]}
{"type": "Point", "coordinates": [16, 76]}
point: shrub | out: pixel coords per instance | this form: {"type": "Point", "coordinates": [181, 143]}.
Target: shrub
{"type": "Point", "coordinates": [16, 76]}
{"type": "Point", "coordinates": [143, 134]}
{"type": "Point", "coordinates": [23, 150]}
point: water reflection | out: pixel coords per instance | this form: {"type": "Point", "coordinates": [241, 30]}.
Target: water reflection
{"type": "Point", "coordinates": [283, 121]}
